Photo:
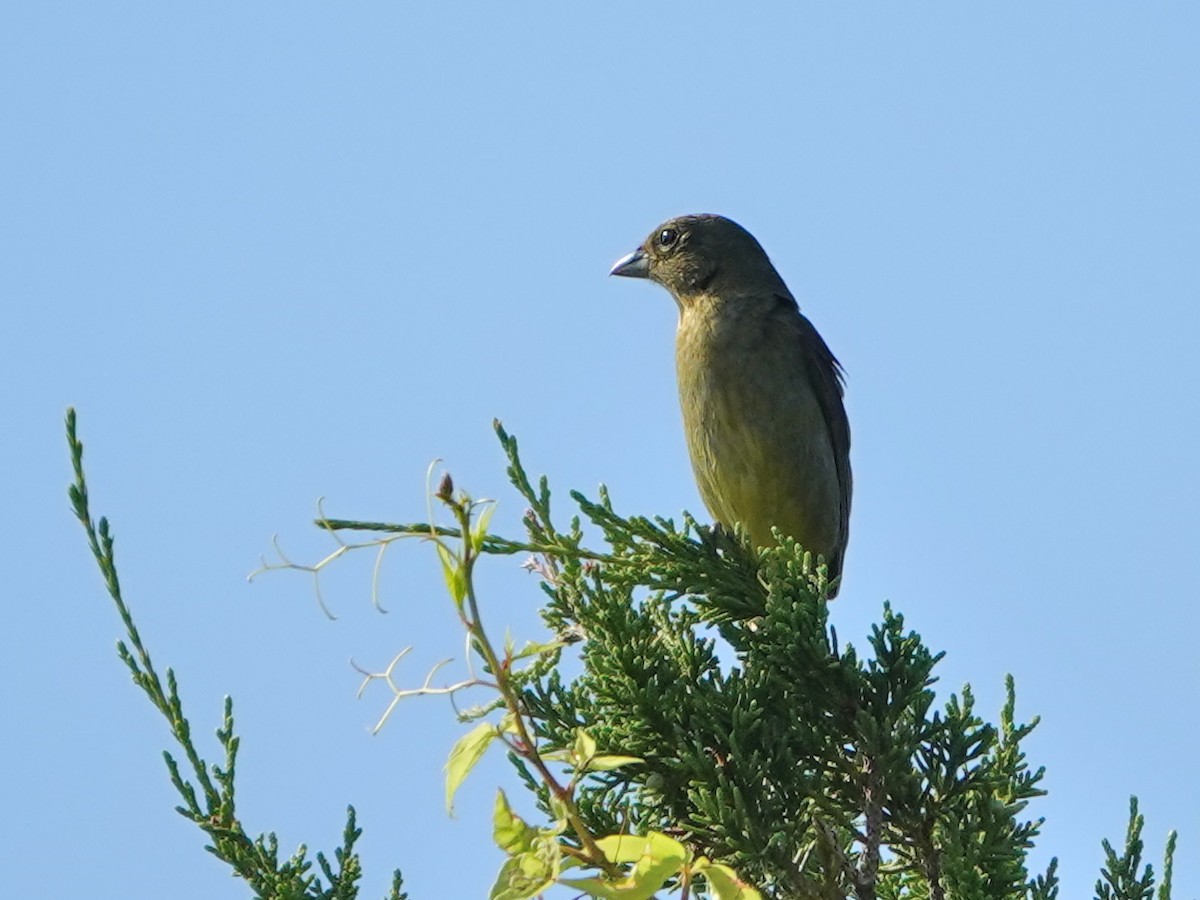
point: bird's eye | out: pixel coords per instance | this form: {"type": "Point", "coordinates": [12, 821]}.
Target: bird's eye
{"type": "Point", "coordinates": [667, 237]}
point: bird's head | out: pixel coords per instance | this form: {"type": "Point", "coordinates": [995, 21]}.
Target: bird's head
{"type": "Point", "coordinates": [704, 254]}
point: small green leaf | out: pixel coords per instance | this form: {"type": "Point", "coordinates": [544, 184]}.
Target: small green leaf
{"type": "Point", "coordinates": [535, 857]}
{"type": "Point", "coordinates": [561, 814]}
{"type": "Point", "coordinates": [584, 749]}
{"type": "Point", "coordinates": [466, 753]}
{"type": "Point", "coordinates": [480, 529]}
{"type": "Point", "coordinates": [606, 762]}
{"type": "Point", "coordinates": [510, 831]}
{"type": "Point", "coordinates": [532, 649]}
{"type": "Point", "coordinates": [452, 572]}
{"type": "Point", "coordinates": [594, 887]}
{"type": "Point", "coordinates": [583, 757]}
{"type": "Point", "coordinates": [656, 858]}
{"type": "Point", "coordinates": [522, 876]}
{"type": "Point", "coordinates": [627, 848]}
{"type": "Point", "coordinates": [724, 884]}
{"type": "Point", "coordinates": [642, 884]}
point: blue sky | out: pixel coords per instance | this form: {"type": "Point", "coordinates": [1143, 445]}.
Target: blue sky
{"type": "Point", "coordinates": [275, 253]}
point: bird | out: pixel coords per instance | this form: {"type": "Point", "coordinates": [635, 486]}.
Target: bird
{"type": "Point", "coordinates": [760, 391]}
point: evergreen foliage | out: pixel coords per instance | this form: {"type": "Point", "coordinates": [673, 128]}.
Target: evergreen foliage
{"type": "Point", "coordinates": [207, 792]}
{"type": "Point", "coordinates": [718, 739]}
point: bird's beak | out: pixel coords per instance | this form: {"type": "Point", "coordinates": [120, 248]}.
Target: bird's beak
{"type": "Point", "coordinates": [632, 265]}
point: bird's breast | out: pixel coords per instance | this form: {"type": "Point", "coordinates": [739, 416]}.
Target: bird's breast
{"type": "Point", "coordinates": [757, 437]}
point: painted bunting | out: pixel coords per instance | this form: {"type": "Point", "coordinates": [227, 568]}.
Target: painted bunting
{"type": "Point", "coordinates": [760, 391]}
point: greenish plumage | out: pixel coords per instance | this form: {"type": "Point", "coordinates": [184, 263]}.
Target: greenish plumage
{"type": "Point", "coordinates": [760, 391]}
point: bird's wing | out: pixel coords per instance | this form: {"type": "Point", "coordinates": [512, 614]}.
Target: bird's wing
{"type": "Point", "coordinates": [827, 378]}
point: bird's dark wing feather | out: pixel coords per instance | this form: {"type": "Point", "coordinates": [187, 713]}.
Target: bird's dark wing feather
{"type": "Point", "coordinates": [827, 378]}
